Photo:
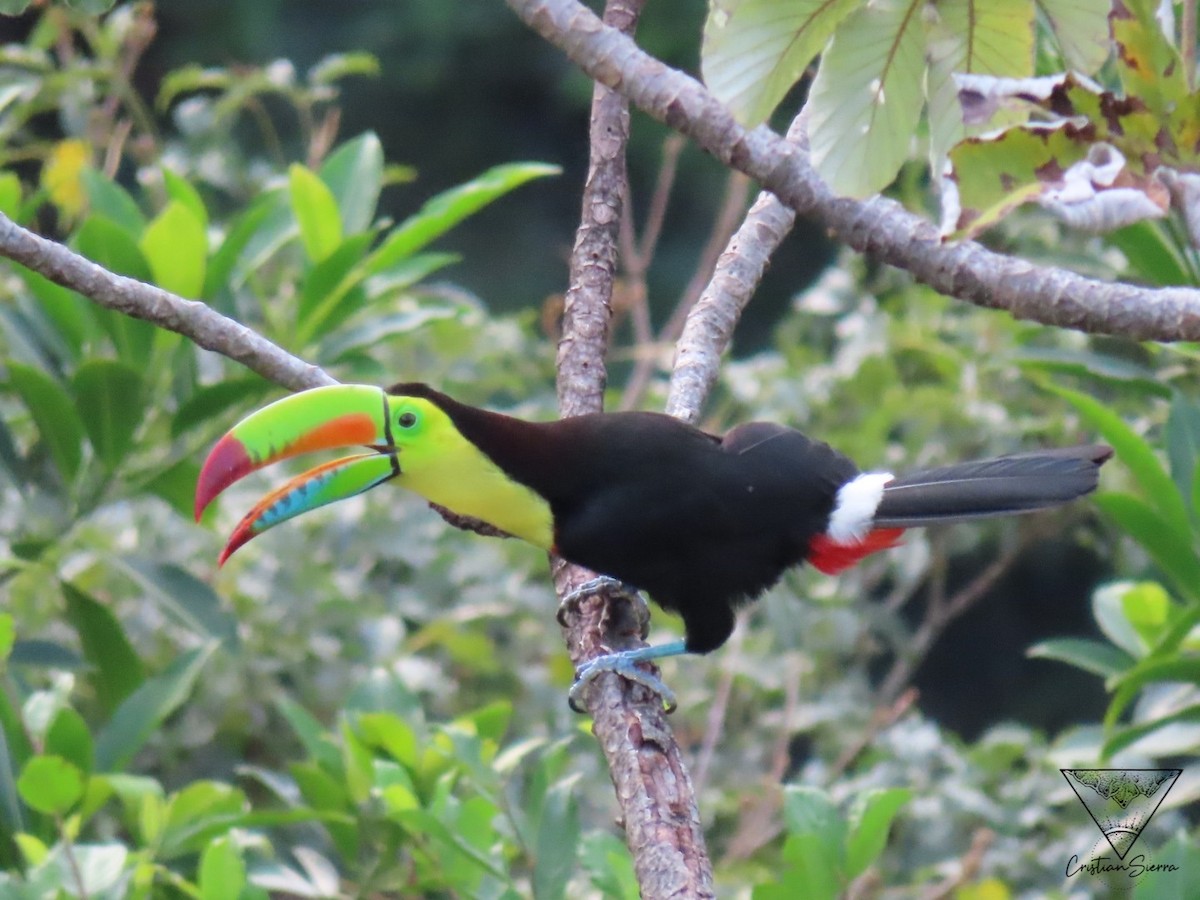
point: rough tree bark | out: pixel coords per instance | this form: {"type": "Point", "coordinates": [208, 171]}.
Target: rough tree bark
{"type": "Point", "coordinates": [658, 805]}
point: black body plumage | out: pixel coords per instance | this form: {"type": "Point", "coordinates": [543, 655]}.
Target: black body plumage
{"type": "Point", "coordinates": [705, 524]}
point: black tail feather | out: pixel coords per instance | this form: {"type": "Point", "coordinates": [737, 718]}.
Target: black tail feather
{"type": "Point", "coordinates": [992, 487]}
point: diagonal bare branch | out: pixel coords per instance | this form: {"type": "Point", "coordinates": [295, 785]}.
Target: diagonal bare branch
{"type": "Point", "coordinates": [191, 318]}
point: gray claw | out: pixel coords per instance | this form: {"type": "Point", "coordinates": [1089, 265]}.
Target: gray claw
{"type": "Point", "coordinates": [619, 664]}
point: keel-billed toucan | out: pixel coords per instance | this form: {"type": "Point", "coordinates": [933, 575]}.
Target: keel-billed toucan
{"type": "Point", "coordinates": [702, 523]}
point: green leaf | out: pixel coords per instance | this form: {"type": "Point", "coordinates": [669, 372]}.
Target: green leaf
{"type": "Point", "coordinates": [8, 634]}
{"type": "Point", "coordinates": [1147, 607]}
{"type": "Point", "coordinates": [176, 485]}
{"type": "Point", "coordinates": [966, 37]}
{"type": "Point", "coordinates": [70, 313]}
{"type": "Point", "coordinates": [146, 708]}
{"type": "Point", "coordinates": [1146, 60]}
{"type": "Point", "coordinates": [118, 668]}
{"type": "Point", "coordinates": [1081, 27]}
{"type": "Point", "coordinates": [447, 209]}
{"type": "Point", "coordinates": [810, 811]}
{"type": "Point", "coordinates": [68, 737]}
{"type": "Point", "coordinates": [311, 734]}
{"type": "Point", "coordinates": [105, 243]}
{"type": "Point", "coordinates": [354, 173]}
{"type": "Point", "coordinates": [754, 51]}
{"type": "Point", "coordinates": [214, 400]}
{"type": "Point", "coordinates": [998, 172]}
{"type": "Point", "coordinates": [54, 414]}
{"type": "Point", "coordinates": [108, 199]}
{"type": "Point", "coordinates": [1136, 455]}
{"type": "Point", "coordinates": [1098, 658]}
{"type": "Point", "coordinates": [176, 247]}
{"type": "Point", "coordinates": [870, 820]}
{"type": "Point", "coordinates": [1170, 548]}
{"type": "Point", "coordinates": [609, 866]}
{"type": "Point", "coordinates": [50, 785]}
{"type": "Point", "coordinates": [244, 228]}
{"type": "Point", "coordinates": [187, 599]}
{"type": "Point", "coordinates": [867, 97]}
{"type": "Point", "coordinates": [182, 191]}
{"type": "Point", "coordinates": [100, 866]}
{"type": "Point", "coordinates": [316, 212]}
{"type": "Point", "coordinates": [10, 194]}
{"type": "Point", "coordinates": [1151, 255]}
{"type": "Point", "coordinates": [222, 870]}
{"type": "Point", "coordinates": [357, 765]}
{"type": "Point", "coordinates": [201, 811]}
{"type": "Point", "coordinates": [1109, 612]}
{"type": "Point", "coordinates": [336, 66]}
{"type": "Point", "coordinates": [331, 291]}
{"type": "Point", "coordinates": [12, 817]}
{"type": "Point", "coordinates": [1124, 738]}
{"type": "Point", "coordinates": [186, 79]}
{"type": "Point", "coordinates": [1183, 444]}
{"type": "Point", "coordinates": [108, 396]}
{"type": "Point", "coordinates": [557, 840]}
{"type": "Point", "coordinates": [390, 734]}
{"type": "Point", "coordinates": [1089, 364]}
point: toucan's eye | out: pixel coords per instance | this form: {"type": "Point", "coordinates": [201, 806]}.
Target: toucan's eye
{"type": "Point", "coordinates": [407, 420]}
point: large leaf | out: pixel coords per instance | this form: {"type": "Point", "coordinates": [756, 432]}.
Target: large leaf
{"type": "Point", "coordinates": [447, 209]}
{"type": "Point", "coordinates": [1092, 656]}
{"type": "Point", "coordinates": [1151, 254]}
{"type": "Point", "coordinates": [866, 99]}
{"type": "Point", "coordinates": [50, 785]}
{"type": "Point", "coordinates": [331, 290]}
{"type": "Point", "coordinates": [1147, 61]}
{"type": "Point", "coordinates": [237, 239]}
{"type": "Point", "coordinates": [54, 414]}
{"type": "Point", "coordinates": [354, 173]}
{"type": "Point", "coordinates": [1183, 444]}
{"type": "Point", "coordinates": [557, 840]}
{"type": "Point", "coordinates": [1168, 545]}
{"type": "Point", "coordinates": [870, 820]}
{"type": "Point", "coordinates": [316, 212]}
{"type": "Point", "coordinates": [1135, 454]}
{"type": "Point", "coordinates": [176, 247]}
{"type": "Point", "coordinates": [70, 312]}
{"type": "Point", "coordinates": [214, 400]}
{"type": "Point", "coordinates": [1081, 27]}
{"type": "Point", "coordinates": [106, 648]}
{"type": "Point", "coordinates": [754, 51]}
{"type": "Point", "coordinates": [182, 191]}
{"type": "Point", "coordinates": [146, 708]}
{"type": "Point", "coordinates": [966, 36]}
{"type": "Point", "coordinates": [108, 199]}
{"type": "Point", "coordinates": [105, 243]}
{"type": "Point", "coordinates": [109, 398]}
{"type": "Point", "coordinates": [184, 597]}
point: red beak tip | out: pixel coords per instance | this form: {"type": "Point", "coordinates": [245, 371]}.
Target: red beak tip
{"type": "Point", "coordinates": [227, 462]}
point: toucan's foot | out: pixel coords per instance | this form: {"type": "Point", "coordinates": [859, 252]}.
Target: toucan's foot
{"type": "Point", "coordinates": [598, 584]}
{"type": "Point", "coordinates": [619, 664]}
{"type": "Point", "coordinates": [625, 665]}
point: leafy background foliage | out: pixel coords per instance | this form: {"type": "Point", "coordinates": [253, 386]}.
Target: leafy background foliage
{"type": "Point", "coordinates": [370, 701]}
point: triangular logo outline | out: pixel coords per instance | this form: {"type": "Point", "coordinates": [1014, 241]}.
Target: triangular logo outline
{"type": "Point", "coordinates": [1121, 801]}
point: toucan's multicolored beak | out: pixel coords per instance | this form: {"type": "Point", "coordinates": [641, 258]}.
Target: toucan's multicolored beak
{"type": "Point", "coordinates": [323, 418]}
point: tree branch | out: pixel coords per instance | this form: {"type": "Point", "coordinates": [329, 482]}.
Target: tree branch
{"type": "Point", "coordinates": [711, 321]}
{"type": "Point", "coordinates": [194, 320]}
{"type": "Point", "coordinates": [878, 227]}
{"type": "Point", "coordinates": [658, 807]}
